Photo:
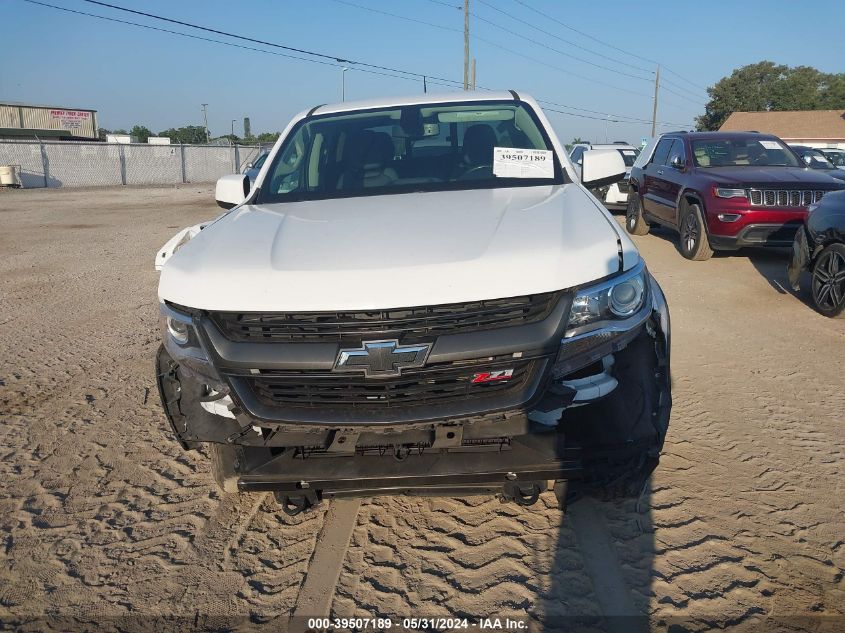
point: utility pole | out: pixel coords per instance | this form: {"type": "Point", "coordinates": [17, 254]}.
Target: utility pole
{"type": "Point", "coordinates": [466, 44]}
{"type": "Point", "coordinates": [654, 112]}
{"type": "Point", "coordinates": [205, 118]}
{"type": "Point", "coordinates": [473, 73]}
{"type": "Point", "coordinates": [343, 83]}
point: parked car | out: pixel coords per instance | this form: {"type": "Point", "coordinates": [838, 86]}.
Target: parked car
{"type": "Point", "coordinates": [723, 190]}
{"type": "Point", "coordinates": [819, 247]}
{"type": "Point", "coordinates": [391, 310]}
{"type": "Point", "coordinates": [835, 156]}
{"type": "Point", "coordinates": [251, 170]}
{"type": "Point", "coordinates": [615, 194]}
{"type": "Point", "coordinates": [816, 159]}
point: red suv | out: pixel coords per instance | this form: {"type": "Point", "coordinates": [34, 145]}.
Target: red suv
{"type": "Point", "coordinates": [723, 190]}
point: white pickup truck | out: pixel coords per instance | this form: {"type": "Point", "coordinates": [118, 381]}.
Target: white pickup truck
{"type": "Point", "coordinates": [418, 295]}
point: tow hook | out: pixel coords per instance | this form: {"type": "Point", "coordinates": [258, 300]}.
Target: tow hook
{"type": "Point", "coordinates": [292, 505]}
{"type": "Point", "coordinates": [523, 495]}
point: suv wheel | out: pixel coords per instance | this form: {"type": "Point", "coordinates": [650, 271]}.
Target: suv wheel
{"type": "Point", "coordinates": [634, 221]}
{"type": "Point", "coordinates": [828, 285]}
{"type": "Point", "coordinates": [694, 244]}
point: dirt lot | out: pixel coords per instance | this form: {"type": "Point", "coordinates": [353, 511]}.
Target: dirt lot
{"type": "Point", "coordinates": [106, 521]}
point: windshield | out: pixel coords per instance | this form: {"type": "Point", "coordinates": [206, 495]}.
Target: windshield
{"type": "Point", "coordinates": [815, 159]}
{"type": "Point", "coordinates": [412, 148]}
{"type": "Point", "coordinates": [742, 153]}
{"type": "Point", "coordinates": [837, 158]}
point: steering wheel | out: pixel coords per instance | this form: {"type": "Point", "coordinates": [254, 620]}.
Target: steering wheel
{"type": "Point", "coordinates": [475, 172]}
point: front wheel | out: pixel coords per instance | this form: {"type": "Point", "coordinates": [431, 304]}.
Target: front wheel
{"type": "Point", "coordinates": [634, 221]}
{"type": "Point", "coordinates": [694, 244]}
{"type": "Point", "coordinates": [828, 287]}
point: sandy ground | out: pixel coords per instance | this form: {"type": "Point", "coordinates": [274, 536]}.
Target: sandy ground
{"type": "Point", "coordinates": [106, 521]}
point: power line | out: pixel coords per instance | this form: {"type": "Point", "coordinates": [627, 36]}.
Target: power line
{"type": "Point", "coordinates": [491, 23]}
{"type": "Point", "coordinates": [595, 39]}
{"type": "Point", "coordinates": [499, 46]}
{"type": "Point", "coordinates": [616, 118]}
{"type": "Point", "coordinates": [550, 34]}
{"type": "Point", "coordinates": [556, 50]}
{"type": "Point", "coordinates": [233, 45]}
{"type": "Point", "coordinates": [338, 59]}
{"type": "Point", "coordinates": [404, 74]}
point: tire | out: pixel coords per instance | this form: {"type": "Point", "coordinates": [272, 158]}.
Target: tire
{"type": "Point", "coordinates": [635, 223]}
{"type": "Point", "coordinates": [223, 467]}
{"type": "Point", "coordinates": [828, 282]}
{"type": "Point", "coordinates": [692, 233]}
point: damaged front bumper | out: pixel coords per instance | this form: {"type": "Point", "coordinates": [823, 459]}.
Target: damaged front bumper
{"type": "Point", "coordinates": [547, 437]}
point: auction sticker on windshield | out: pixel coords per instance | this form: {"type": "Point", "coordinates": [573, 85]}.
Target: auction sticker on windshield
{"type": "Point", "coordinates": [770, 144]}
{"type": "Point", "coordinates": [511, 162]}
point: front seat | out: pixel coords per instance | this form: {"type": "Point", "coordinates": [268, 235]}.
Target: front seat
{"type": "Point", "coordinates": [367, 159]}
{"type": "Point", "coordinates": [479, 141]}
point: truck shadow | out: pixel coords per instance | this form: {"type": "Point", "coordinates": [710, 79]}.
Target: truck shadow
{"type": "Point", "coordinates": [600, 574]}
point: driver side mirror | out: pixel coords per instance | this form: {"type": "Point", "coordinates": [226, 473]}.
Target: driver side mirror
{"type": "Point", "coordinates": [249, 165]}
{"type": "Point", "coordinates": [231, 190]}
{"type": "Point", "coordinates": [602, 167]}
{"type": "Point", "coordinates": [677, 162]}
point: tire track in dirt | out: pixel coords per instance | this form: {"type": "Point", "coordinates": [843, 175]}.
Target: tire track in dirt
{"type": "Point", "coordinates": [104, 518]}
{"type": "Point", "coordinates": [108, 518]}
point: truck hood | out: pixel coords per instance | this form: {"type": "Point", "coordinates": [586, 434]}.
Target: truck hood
{"type": "Point", "coordinates": [391, 251]}
{"type": "Point", "coordinates": [770, 177]}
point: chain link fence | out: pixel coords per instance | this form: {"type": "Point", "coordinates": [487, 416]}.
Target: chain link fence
{"type": "Point", "coordinates": [75, 164]}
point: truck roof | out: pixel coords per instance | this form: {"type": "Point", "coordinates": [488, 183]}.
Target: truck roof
{"type": "Point", "coordinates": [418, 99]}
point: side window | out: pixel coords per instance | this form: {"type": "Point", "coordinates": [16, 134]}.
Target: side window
{"type": "Point", "coordinates": [257, 164]}
{"type": "Point", "coordinates": [678, 150]}
{"type": "Point", "coordinates": [577, 153]}
{"type": "Point", "coordinates": [661, 153]}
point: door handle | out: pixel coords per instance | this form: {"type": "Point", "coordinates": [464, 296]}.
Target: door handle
{"type": "Point", "coordinates": [659, 172]}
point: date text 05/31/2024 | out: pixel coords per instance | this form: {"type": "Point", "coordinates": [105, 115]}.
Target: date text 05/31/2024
{"type": "Point", "coordinates": [416, 624]}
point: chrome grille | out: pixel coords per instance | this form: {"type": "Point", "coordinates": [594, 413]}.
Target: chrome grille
{"type": "Point", "coordinates": [783, 198]}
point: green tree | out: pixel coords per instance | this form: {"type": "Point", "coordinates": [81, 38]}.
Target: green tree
{"type": "Point", "coordinates": [267, 137]}
{"type": "Point", "coordinates": [766, 86]}
{"type": "Point", "coordinates": [188, 134]}
{"type": "Point", "coordinates": [141, 132]}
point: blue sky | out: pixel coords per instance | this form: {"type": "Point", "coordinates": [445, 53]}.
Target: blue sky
{"type": "Point", "coordinates": [133, 75]}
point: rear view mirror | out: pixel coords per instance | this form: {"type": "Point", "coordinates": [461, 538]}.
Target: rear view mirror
{"type": "Point", "coordinates": [602, 167]}
{"type": "Point", "coordinates": [231, 190]}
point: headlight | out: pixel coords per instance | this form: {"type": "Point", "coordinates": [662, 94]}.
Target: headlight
{"type": "Point", "coordinates": [178, 330]}
{"type": "Point", "coordinates": [184, 346]}
{"type": "Point", "coordinates": [723, 192]}
{"type": "Point", "coordinates": [613, 300]}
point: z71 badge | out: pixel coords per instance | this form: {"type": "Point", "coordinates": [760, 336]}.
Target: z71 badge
{"type": "Point", "coordinates": [492, 376]}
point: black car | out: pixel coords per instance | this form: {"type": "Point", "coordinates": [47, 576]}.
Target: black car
{"type": "Point", "coordinates": [819, 247]}
{"type": "Point", "coordinates": [816, 159]}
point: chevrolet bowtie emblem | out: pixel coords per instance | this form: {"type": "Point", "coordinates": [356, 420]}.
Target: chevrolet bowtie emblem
{"type": "Point", "coordinates": [379, 359]}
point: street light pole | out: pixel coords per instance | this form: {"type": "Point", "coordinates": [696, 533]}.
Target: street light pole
{"type": "Point", "coordinates": [205, 118]}
{"type": "Point", "coordinates": [343, 83]}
